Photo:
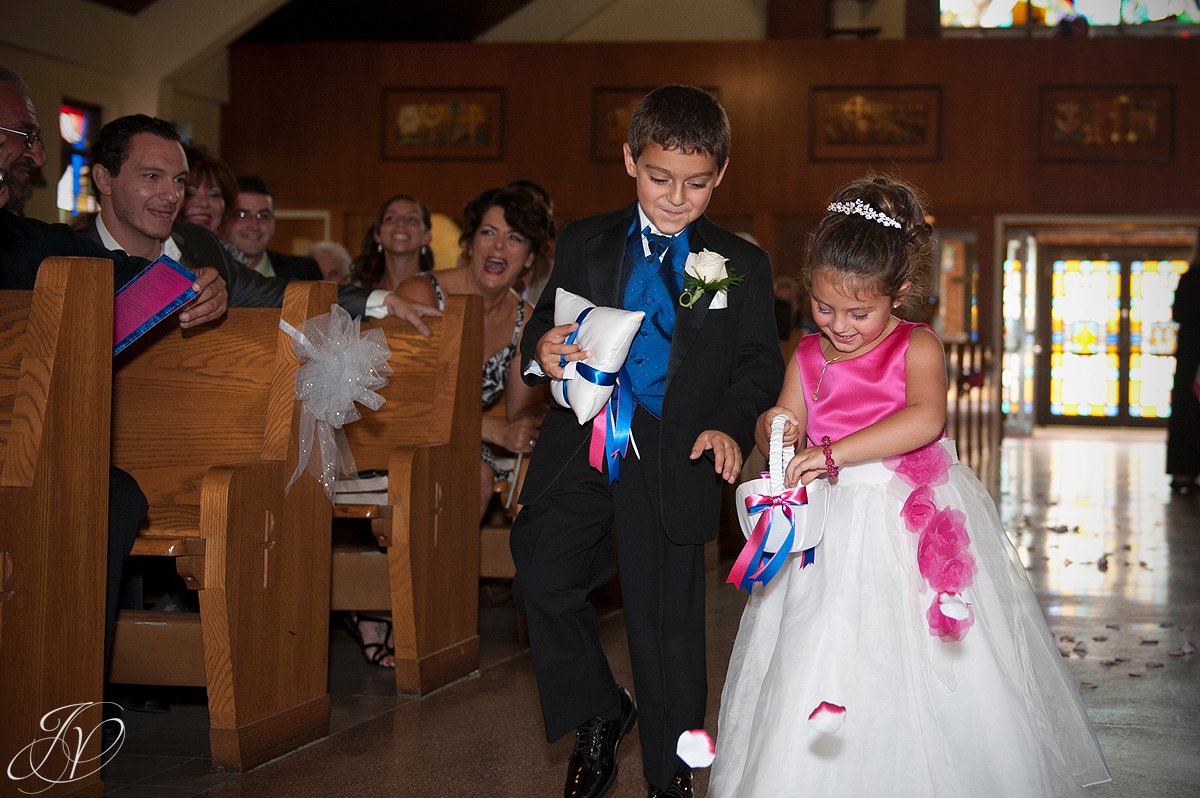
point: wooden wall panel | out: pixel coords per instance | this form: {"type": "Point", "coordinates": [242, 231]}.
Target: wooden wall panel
{"type": "Point", "coordinates": [307, 118]}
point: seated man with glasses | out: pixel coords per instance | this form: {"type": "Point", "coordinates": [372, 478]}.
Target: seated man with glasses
{"type": "Point", "coordinates": [22, 149]}
{"type": "Point", "coordinates": [29, 138]}
{"type": "Point", "coordinates": [250, 225]}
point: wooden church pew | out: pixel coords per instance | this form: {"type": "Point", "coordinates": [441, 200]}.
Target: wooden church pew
{"type": "Point", "coordinates": [425, 568]}
{"type": "Point", "coordinates": [55, 379]}
{"type": "Point", "coordinates": [207, 422]}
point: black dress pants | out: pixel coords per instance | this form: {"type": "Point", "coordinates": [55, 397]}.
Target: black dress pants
{"type": "Point", "coordinates": [126, 507]}
{"type": "Point", "coordinates": [563, 546]}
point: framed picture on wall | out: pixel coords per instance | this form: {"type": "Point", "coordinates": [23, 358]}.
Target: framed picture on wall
{"type": "Point", "coordinates": [875, 123]}
{"type": "Point", "coordinates": [1106, 123]}
{"type": "Point", "coordinates": [612, 108]}
{"type": "Point", "coordinates": [432, 124]}
{"type": "Point", "coordinates": [611, 111]}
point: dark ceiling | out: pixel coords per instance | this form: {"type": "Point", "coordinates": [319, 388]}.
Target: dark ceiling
{"type": "Point", "coordinates": [368, 20]}
{"type": "Point", "coordinates": [128, 6]}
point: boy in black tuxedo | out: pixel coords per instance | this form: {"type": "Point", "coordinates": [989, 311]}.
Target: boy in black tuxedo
{"type": "Point", "coordinates": [702, 368]}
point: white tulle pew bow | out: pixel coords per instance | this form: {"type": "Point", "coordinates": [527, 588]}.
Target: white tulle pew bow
{"type": "Point", "coordinates": [340, 366]}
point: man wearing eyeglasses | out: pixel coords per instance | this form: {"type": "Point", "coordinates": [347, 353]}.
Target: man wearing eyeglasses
{"type": "Point", "coordinates": [22, 146]}
{"type": "Point", "coordinates": [250, 226]}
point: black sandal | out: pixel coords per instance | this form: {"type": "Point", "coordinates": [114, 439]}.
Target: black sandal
{"type": "Point", "coordinates": [372, 652]}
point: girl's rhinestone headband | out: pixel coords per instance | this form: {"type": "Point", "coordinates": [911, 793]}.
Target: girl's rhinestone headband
{"type": "Point", "coordinates": [863, 209]}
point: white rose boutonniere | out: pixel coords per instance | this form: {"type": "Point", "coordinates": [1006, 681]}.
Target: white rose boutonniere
{"type": "Point", "coordinates": [706, 271]}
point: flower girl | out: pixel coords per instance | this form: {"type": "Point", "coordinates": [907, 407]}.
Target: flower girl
{"type": "Point", "coordinates": [911, 657]}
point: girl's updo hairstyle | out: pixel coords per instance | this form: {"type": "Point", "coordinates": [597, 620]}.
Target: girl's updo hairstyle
{"type": "Point", "coordinates": [866, 256]}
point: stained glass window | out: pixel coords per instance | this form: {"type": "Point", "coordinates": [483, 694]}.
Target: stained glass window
{"type": "Point", "coordinates": [1019, 309]}
{"type": "Point", "coordinates": [77, 124]}
{"type": "Point", "coordinates": [1085, 326]}
{"type": "Point", "coordinates": [1152, 335]}
{"type": "Point", "coordinates": [1012, 376]}
{"type": "Point", "coordinates": [1049, 13]}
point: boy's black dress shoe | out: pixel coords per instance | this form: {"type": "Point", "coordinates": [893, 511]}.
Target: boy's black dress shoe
{"type": "Point", "coordinates": [681, 787]}
{"type": "Point", "coordinates": [593, 766]}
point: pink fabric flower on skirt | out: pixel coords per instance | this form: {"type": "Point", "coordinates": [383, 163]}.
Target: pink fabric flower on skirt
{"type": "Point", "coordinates": [918, 509]}
{"type": "Point", "coordinates": [950, 574]}
{"type": "Point", "coordinates": [925, 466]}
{"type": "Point", "coordinates": [950, 617]}
{"type": "Point", "coordinates": [942, 554]}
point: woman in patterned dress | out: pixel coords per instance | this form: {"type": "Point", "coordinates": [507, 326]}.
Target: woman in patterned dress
{"type": "Point", "coordinates": [504, 231]}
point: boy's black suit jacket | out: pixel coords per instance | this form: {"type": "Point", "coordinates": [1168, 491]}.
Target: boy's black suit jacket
{"type": "Point", "coordinates": [725, 366]}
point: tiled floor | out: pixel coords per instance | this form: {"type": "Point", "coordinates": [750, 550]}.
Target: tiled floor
{"type": "Point", "coordinates": [1114, 557]}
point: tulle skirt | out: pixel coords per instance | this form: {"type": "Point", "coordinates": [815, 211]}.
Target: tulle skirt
{"type": "Point", "coordinates": [994, 714]}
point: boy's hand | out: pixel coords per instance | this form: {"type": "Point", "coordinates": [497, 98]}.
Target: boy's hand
{"type": "Point", "coordinates": [727, 457]}
{"type": "Point", "coordinates": [551, 347]}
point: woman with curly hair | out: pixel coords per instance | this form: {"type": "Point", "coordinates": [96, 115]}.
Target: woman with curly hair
{"type": "Point", "coordinates": [505, 230]}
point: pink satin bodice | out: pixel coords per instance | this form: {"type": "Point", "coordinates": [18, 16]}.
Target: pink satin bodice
{"type": "Point", "coordinates": [855, 393]}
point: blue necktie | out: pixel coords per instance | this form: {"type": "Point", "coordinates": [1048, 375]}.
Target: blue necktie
{"type": "Point", "coordinates": [658, 245]}
{"type": "Point", "coordinates": [652, 287]}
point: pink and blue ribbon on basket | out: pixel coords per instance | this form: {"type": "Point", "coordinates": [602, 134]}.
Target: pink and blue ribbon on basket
{"type": "Point", "coordinates": [752, 565]}
{"type": "Point", "coordinates": [611, 426]}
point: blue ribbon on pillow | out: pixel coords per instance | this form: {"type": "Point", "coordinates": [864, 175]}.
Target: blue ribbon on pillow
{"type": "Point", "coordinates": [614, 425]}
{"type": "Point", "coordinates": [562, 359]}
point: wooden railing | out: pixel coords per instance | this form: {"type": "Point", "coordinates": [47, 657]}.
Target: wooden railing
{"type": "Point", "coordinates": [973, 409]}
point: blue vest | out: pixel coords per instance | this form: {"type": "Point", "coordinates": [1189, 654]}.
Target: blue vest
{"type": "Point", "coordinates": [652, 285]}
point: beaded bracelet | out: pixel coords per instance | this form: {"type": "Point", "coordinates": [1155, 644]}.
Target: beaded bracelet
{"type": "Point", "coordinates": [826, 448]}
